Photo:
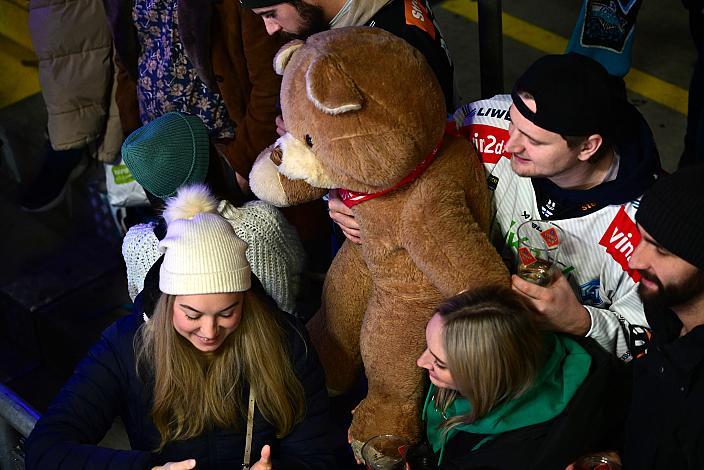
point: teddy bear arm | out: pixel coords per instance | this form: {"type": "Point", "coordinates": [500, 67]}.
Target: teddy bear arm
{"type": "Point", "coordinates": [445, 241]}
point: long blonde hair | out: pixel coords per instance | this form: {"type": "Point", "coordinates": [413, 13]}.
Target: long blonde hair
{"type": "Point", "coordinates": [195, 391]}
{"type": "Point", "coordinates": [493, 350]}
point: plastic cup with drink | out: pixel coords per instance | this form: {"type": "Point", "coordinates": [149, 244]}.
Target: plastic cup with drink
{"type": "Point", "coordinates": [539, 243]}
{"type": "Point", "coordinates": [384, 452]}
{"type": "Point", "coordinates": [597, 462]}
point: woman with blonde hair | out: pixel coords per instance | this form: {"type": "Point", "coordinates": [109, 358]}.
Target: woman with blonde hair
{"type": "Point", "coordinates": [505, 395]}
{"type": "Point", "coordinates": [213, 377]}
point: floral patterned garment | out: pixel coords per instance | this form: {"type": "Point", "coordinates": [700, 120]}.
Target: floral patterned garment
{"type": "Point", "coordinates": [167, 78]}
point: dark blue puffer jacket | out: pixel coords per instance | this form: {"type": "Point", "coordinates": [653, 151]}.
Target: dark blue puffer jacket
{"type": "Point", "coordinates": [105, 385]}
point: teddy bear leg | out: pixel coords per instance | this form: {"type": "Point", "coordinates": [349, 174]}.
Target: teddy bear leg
{"type": "Point", "coordinates": [392, 338]}
{"type": "Point", "coordinates": [334, 330]}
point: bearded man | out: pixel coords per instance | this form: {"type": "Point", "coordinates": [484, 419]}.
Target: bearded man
{"type": "Point", "coordinates": [666, 422]}
{"type": "Point", "coordinates": [411, 20]}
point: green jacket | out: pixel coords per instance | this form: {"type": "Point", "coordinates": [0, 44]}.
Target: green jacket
{"type": "Point", "coordinates": [565, 370]}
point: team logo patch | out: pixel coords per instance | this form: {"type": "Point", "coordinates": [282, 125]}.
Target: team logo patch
{"type": "Point", "coordinates": [548, 209]}
{"type": "Point", "coordinates": [608, 23]}
{"type": "Point", "coordinates": [550, 237]}
{"type": "Point", "coordinates": [620, 240]}
{"type": "Point", "coordinates": [471, 112]}
{"type": "Point", "coordinates": [589, 292]}
{"type": "Point", "coordinates": [526, 256]}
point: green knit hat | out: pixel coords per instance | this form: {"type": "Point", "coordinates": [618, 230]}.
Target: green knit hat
{"type": "Point", "coordinates": [167, 153]}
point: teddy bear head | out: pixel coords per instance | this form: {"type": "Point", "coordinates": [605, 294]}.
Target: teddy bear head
{"type": "Point", "coordinates": [362, 109]}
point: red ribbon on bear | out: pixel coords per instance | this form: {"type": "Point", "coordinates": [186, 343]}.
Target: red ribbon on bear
{"type": "Point", "coordinates": [352, 198]}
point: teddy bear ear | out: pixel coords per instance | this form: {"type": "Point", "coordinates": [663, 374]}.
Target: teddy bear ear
{"type": "Point", "coordinates": [330, 89]}
{"type": "Point", "coordinates": [284, 55]}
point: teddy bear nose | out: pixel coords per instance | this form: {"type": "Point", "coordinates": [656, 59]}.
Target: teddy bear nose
{"type": "Point", "coordinates": [276, 155]}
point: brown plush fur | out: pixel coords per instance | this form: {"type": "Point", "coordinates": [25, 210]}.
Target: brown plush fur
{"type": "Point", "coordinates": [372, 110]}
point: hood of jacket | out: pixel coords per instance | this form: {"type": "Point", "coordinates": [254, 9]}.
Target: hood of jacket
{"type": "Point", "coordinates": [566, 368]}
{"type": "Point", "coordinates": [357, 12]}
{"type": "Point", "coordinates": [639, 166]}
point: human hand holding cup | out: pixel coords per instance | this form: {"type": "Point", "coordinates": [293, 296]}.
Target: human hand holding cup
{"type": "Point", "coordinates": [539, 243]}
{"type": "Point", "coordinates": [384, 452]}
{"type": "Point", "coordinates": [603, 461]}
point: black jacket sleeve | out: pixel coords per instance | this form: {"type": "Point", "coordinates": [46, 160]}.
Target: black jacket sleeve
{"type": "Point", "coordinates": [66, 435]}
{"type": "Point", "coordinates": [307, 446]}
{"type": "Point", "coordinates": [392, 18]}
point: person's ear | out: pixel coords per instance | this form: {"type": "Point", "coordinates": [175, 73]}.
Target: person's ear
{"type": "Point", "coordinates": [590, 146]}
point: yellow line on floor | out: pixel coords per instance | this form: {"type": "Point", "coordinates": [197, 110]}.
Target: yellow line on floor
{"type": "Point", "coordinates": [644, 84]}
{"type": "Point", "coordinates": [18, 80]}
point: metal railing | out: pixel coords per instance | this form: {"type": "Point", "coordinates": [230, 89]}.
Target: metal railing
{"type": "Point", "coordinates": [17, 419]}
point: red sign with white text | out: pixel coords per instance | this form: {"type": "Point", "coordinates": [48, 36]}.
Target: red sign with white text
{"type": "Point", "coordinates": [550, 236]}
{"type": "Point", "coordinates": [620, 240]}
{"type": "Point", "coordinates": [417, 15]}
{"type": "Point", "coordinates": [488, 141]}
{"type": "Point", "coordinates": [526, 256]}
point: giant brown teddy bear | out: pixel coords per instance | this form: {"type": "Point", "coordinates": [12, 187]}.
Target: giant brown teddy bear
{"type": "Point", "coordinates": [364, 112]}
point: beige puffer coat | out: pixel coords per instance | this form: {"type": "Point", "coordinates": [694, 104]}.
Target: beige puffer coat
{"type": "Point", "coordinates": [74, 46]}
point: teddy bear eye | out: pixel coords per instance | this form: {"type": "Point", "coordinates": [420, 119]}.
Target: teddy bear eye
{"type": "Point", "coordinates": [309, 140]}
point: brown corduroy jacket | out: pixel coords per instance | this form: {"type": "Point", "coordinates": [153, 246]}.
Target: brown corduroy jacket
{"type": "Point", "coordinates": [231, 52]}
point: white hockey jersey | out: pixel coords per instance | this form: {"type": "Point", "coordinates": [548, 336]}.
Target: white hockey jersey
{"type": "Point", "coordinates": [597, 246]}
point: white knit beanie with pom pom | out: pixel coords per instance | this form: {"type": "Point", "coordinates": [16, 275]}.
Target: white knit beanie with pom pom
{"type": "Point", "coordinates": [202, 254]}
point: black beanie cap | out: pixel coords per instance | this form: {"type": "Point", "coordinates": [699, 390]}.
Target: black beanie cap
{"type": "Point", "coordinates": [574, 95]}
{"type": "Point", "coordinates": [672, 212]}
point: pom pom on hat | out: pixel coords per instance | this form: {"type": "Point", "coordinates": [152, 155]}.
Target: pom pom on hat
{"type": "Point", "coordinates": [191, 201]}
{"type": "Point", "coordinates": [202, 254]}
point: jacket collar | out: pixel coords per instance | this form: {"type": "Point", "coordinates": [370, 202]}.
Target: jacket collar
{"type": "Point", "coordinates": [565, 369]}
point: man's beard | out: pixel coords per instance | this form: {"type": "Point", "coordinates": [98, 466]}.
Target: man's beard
{"type": "Point", "coordinates": [674, 294]}
{"type": "Point", "coordinates": [312, 21]}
